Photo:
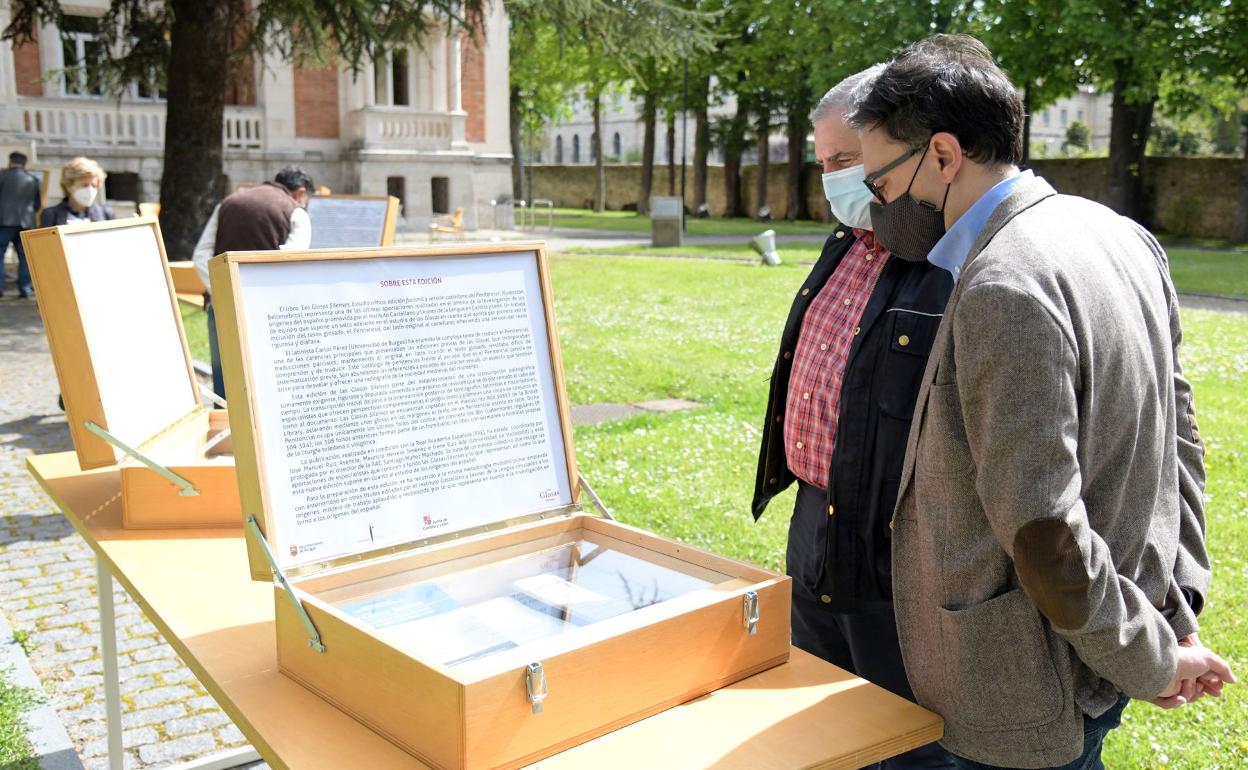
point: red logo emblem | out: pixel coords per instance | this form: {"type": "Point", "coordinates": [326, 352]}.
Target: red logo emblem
{"type": "Point", "coordinates": [428, 520]}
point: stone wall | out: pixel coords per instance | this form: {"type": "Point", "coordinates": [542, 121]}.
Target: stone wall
{"type": "Point", "coordinates": [573, 187]}
{"type": "Point", "coordinates": [1183, 196]}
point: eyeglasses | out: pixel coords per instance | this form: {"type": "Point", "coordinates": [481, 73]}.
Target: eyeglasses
{"type": "Point", "coordinates": [869, 180]}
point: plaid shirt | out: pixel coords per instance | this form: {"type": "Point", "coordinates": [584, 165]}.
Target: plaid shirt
{"type": "Point", "coordinates": [828, 330]}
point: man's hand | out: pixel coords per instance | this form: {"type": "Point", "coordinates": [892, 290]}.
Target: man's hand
{"type": "Point", "coordinates": [1200, 672]}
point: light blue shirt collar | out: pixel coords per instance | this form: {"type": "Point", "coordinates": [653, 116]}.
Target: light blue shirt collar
{"type": "Point", "coordinates": [951, 251]}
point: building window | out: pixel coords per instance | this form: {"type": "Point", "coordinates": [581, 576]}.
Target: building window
{"type": "Point", "coordinates": [440, 189]}
{"type": "Point", "coordinates": [576, 148]}
{"type": "Point", "coordinates": [559, 149]}
{"type": "Point", "coordinates": [1080, 115]}
{"type": "Point", "coordinates": [1065, 117]}
{"type": "Point", "coordinates": [81, 52]}
{"type": "Point", "coordinates": [393, 77]}
{"type": "Point", "coordinates": [400, 78]}
{"type": "Point", "coordinates": [615, 145]}
{"type": "Point", "coordinates": [397, 187]}
{"type": "Point", "coordinates": [1048, 117]}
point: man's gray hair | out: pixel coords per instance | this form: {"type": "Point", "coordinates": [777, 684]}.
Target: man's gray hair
{"type": "Point", "coordinates": [845, 95]}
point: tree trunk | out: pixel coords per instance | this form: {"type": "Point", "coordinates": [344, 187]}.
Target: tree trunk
{"type": "Point", "coordinates": [763, 127]}
{"type": "Point", "coordinates": [1239, 233]}
{"type": "Point", "coordinates": [734, 143]}
{"type": "Point", "coordinates": [701, 145]}
{"type": "Point", "coordinates": [795, 180]}
{"type": "Point", "coordinates": [600, 173]}
{"type": "Point", "coordinates": [671, 153]}
{"type": "Point", "coordinates": [647, 154]}
{"type": "Point", "coordinates": [517, 150]}
{"type": "Point", "coordinates": [1026, 127]}
{"type": "Point", "coordinates": [1128, 134]}
{"type": "Point", "coordinates": [199, 44]}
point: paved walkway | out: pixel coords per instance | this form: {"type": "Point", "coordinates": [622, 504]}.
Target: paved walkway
{"type": "Point", "coordinates": [565, 238]}
{"type": "Point", "coordinates": [47, 588]}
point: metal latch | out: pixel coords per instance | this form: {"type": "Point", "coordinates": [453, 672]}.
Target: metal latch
{"type": "Point", "coordinates": [535, 682]}
{"type": "Point", "coordinates": [750, 616]}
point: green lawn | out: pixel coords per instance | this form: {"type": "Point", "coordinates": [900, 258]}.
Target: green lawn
{"type": "Point", "coordinates": [16, 752]}
{"type": "Point", "coordinates": [645, 328]}
{"type": "Point", "coordinates": [1205, 271]}
{"type": "Point", "coordinates": [640, 328]}
{"type": "Point", "coordinates": [1210, 271]}
{"type": "Point", "coordinates": [195, 322]}
{"type": "Point", "coordinates": [628, 221]}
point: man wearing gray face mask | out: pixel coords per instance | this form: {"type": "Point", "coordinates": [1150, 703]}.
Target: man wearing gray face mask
{"type": "Point", "coordinates": [842, 393]}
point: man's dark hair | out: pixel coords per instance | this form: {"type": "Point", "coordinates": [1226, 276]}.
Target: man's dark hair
{"type": "Point", "coordinates": [947, 83]}
{"type": "Point", "coordinates": [293, 177]}
{"type": "Point", "coordinates": [17, 159]}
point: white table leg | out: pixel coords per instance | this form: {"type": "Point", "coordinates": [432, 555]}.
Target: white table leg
{"type": "Point", "coordinates": [108, 651]}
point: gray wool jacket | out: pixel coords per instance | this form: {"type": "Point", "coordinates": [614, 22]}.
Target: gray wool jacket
{"type": "Point", "coordinates": [1048, 541]}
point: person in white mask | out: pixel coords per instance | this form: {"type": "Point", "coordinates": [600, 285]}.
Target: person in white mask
{"type": "Point", "coordinates": [82, 181]}
{"type": "Point", "coordinates": [842, 395]}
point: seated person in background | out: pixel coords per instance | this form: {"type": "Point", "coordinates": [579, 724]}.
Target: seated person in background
{"type": "Point", "coordinates": [82, 181]}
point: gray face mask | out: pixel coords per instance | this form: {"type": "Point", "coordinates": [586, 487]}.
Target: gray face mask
{"type": "Point", "coordinates": [907, 226]}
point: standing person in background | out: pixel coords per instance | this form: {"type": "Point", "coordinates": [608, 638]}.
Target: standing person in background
{"type": "Point", "coordinates": [262, 218]}
{"type": "Point", "coordinates": [82, 182]}
{"type": "Point", "coordinates": [19, 200]}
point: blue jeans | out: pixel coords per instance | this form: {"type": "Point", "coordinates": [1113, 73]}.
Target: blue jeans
{"type": "Point", "coordinates": [12, 234]}
{"type": "Point", "coordinates": [218, 380]}
{"type": "Point", "coordinates": [1094, 731]}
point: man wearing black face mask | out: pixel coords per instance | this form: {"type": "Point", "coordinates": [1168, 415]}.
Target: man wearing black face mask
{"type": "Point", "coordinates": [1048, 547]}
{"type": "Point", "coordinates": [842, 393]}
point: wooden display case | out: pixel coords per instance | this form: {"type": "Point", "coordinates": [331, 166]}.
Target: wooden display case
{"type": "Point", "coordinates": [350, 221]}
{"type": "Point", "coordinates": [108, 306]}
{"type": "Point", "coordinates": [405, 460]}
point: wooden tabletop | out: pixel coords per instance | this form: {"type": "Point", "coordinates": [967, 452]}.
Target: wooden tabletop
{"type": "Point", "coordinates": [194, 585]}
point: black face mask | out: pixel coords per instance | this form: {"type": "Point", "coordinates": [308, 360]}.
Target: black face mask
{"type": "Point", "coordinates": [907, 226]}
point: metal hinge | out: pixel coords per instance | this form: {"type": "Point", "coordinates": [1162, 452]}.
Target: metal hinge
{"type": "Point", "coordinates": [185, 487]}
{"type": "Point", "coordinates": [593, 498]}
{"type": "Point", "coordinates": [750, 615]}
{"type": "Point", "coordinates": [535, 683]}
{"type": "Point", "coordinates": [314, 637]}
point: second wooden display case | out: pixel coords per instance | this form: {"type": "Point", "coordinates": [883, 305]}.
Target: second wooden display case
{"type": "Point", "coordinates": [124, 368]}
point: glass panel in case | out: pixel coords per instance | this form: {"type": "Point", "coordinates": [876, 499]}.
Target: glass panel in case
{"type": "Point", "coordinates": [455, 617]}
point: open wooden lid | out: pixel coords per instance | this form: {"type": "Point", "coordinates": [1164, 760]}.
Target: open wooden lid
{"type": "Point", "coordinates": [382, 399]}
{"type": "Point", "coordinates": [114, 329]}
{"type": "Point", "coordinates": [347, 221]}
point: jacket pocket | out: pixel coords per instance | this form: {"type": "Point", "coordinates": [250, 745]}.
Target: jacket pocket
{"type": "Point", "coordinates": [910, 336]}
{"type": "Point", "coordinates": [942, 449]}
{"type": "Point", "coordinates": [999, 670]}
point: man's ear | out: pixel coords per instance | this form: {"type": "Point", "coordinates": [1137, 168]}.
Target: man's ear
{"type": "Point", "coordinates": [947, 151]}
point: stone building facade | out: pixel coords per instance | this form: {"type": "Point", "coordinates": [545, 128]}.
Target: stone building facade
{"type": "Point", "coordinates": [428, 123]}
